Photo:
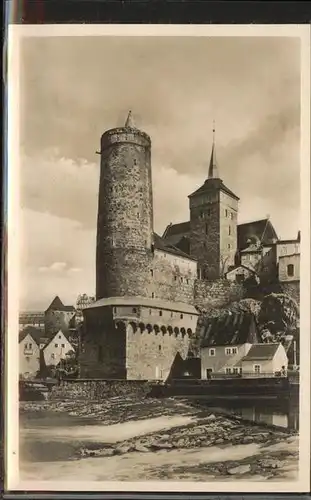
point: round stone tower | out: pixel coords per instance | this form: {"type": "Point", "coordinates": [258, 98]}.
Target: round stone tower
{"type": "Point", "coordinates": [125, 213]}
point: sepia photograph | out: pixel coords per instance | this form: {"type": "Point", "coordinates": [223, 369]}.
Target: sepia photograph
{"type": "Point", "coordinates": [158, 258]}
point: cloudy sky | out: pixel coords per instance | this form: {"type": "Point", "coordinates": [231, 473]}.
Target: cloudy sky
{"type": "Point", "coordinates": [73, 89]}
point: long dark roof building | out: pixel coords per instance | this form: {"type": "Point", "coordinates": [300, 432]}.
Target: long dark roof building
{"type": "Point", "coordinates": [230, 329]}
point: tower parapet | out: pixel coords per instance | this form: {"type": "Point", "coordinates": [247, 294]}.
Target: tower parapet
{"type": "Point", "coordinates": [125, 213]}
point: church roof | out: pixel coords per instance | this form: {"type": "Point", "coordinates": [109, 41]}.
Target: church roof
{"type": "Point", "coordinates": [261, 230]}
{"type": "Point", "coordinates": [166, 246]}
{"type": "Point", "coordinates": [57, 305]}
{"type": "Point", "coordinates": [210, 185]}
{"type": "Point", "coordinates": [179, 229]}
{"type": "Point", "coordinates": [213, 167]}
{"type": "Point", "coordinates": [230, 329]}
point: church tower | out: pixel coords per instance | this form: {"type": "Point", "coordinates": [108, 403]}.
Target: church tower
{"type": "Point", "coordinates": [125, 213]}
{"type": "Point", "coordinates": [213, 224]}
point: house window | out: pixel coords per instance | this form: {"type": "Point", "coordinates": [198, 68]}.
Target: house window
{"type": "Point", "coordinates": [181, 316]}
{"type": "Point", "coordinates": [201, 215]}
{"type": "Point", "coordinates": [135, 162]}
{"type": "Point", "coordinates": [229, 246]}
{"type": "Point", "coordinates": [160, 313]}
{"type": "Point", "coordinates": [149, 311]}
{"type": "Point", "coordinates": [152, 295]}
{"type": "Point", "coordinates": [239, 278]}
{"type": "Point", "coordinates": [63, 345]}
{"type": "Point", "coordinates": [56, 345]}
{"type": "Point", "coordinates": [59, 336]}
{"type": "Point", "coordinates": [231, 215]}
{"type": "Point", "coordinates": [228, 351]}
{"type": "Point", "coordinates": [172, 314]}
{"type": "Point", "coordinates": [234, 350]}
{"type": "Point", "coordinates": [181, 279]}
{"type": "Point", "coordinates": [241, 370]}
{"type": "Point", "coordinates": [175, 278]}
{"type": "Point", "coordinates": [114, 309]}
{"type": "Point", "coordinates": [290, 270]}
{"type": "Point", "coordinates": [257, 368]}
{"type": "Point", "coordinates": [228, 370]}
{"type": "Point", "coordinates": [187, 282]}
{"type": "Point", "coordinates": [235, 371]}
{"type": "Point", "coordinates": [229, 230]}
{"type": "Point", "coordinates": [151, 272]}
{"type": "Point", "coordinates": [212, 352]}
{"type": "Point", "coordinates": [226, 213]}
{"type": "Point", "coordinates": [52, 355]}
{"type": "Point", "coordinates": [208, 372]}
{"type": "Point", "coordinates": [134, 310]}
{"type": "Point", "coordinates": [160, 348]}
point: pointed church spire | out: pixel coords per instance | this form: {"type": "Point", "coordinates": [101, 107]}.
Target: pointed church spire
{"type": "Point", "coordinates": [129, 121]}
{"type": "Point", "coordinates": [213, 169]}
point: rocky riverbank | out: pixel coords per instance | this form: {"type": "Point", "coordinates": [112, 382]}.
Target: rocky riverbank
{"type": "Point", "coordinates": [225, 446]}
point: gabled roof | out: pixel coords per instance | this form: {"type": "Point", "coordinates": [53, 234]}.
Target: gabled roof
{"type": "Point", "coordinates": [179, 229]}
{"type": "Point", "coordinates": [39, 336]}
{"type": "Point", "coordinates": [261, 230]}
{"type": "Point", "coordinates": [57, 305]}
{"type": "Point", "coordinates": [248, 268]}
{"type": "Point", "coordinates": [261, 352]}
{"type": "Point", "coordinates": [52, 337]}
{"type": "Point", "coordinates": [211, 185]}
{"type": "Point", "coordinates": [165, 246]}
{"type": "Point", "coordinates": [230, 329]}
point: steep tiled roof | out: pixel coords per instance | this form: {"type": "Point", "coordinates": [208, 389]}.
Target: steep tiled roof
{"type": "Point", "coordinates": [57, 305]}
{"type": "Point", "coordinates": [261, 230]}
{"type": "Point", "coordinates": [229, 329]}
{"type": "Point", "coordinates": [180, 229]}
{"type": "Point", "coordinates": [211, 185]}
{"type": "Point", "coordinates": [165, 246]}
{"type": "Point", "coordinates": [261, 352]}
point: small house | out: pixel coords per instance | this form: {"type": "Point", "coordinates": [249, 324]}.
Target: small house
{"type": "Point", "coordinates": [264, 360]}
{"type": "Point", "coordinates": [57, 349]}
{"type": "Point", "coordinates": [29, 355]}
{"type": "Point", "coordinates": [225, 341]}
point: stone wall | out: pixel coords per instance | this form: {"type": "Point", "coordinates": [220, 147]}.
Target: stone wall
{"type": "Point", "coordinates": [217, 293]}
{"type": "Point", "coordinates": [172, 278]}
{"type": "Point", "coordinates": [152, 354]}
{"type": "Point", "coordinates": [98, 389]}
{"type": "Point", "coordinates": [103, 346]}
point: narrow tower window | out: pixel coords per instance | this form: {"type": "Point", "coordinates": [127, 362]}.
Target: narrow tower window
{"type": "Point", "coordinates": [290, 270]}
{"type": "Point", "coordinates": [151, 272]}
{"type": "Point", "coordinates": [206, 228]}
{"type": "Point", "coordinates": [226, 213]}
{"type": "Point", "coordinates": [229, 230]}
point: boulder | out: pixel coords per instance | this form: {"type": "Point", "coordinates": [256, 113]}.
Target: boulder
{"type": "Point", "coordinates": [240, 469]}
{"type": "Point", "coordinates": [271, 463]}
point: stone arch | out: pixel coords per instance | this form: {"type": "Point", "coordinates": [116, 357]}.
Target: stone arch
{"type": "Point", "coordinates": [134, 326]}
{"type": "Point", "coordinates": [170, 330]}
{"type": "Point", "coordinates": [156, 328]}
{"type": "Point", "coordinates": [120, 325]}
{"type": "Point", "coordinates": [141, 327]}
{"type": "Point", "coordinates": [189, 331]}
{"type": "Point", "coordinates": [149, 328]}
{"type": "Point", "coordinates": [176, 330]}
{"type": "Point", "coordinates": [183, 331]}
{"type": "Point", "coordinates": [163, 329]}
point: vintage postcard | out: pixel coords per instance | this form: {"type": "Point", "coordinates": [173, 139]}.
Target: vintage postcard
{"type": "Point", "coordinates": [158, 258]}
